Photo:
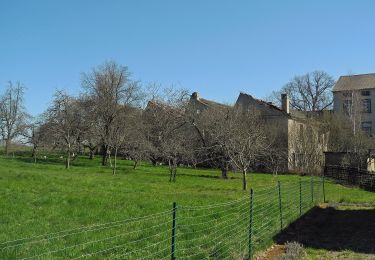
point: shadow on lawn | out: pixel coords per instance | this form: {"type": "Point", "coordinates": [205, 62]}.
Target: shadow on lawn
{"type": "Point", "coordinates": [333, 229]}
{"type": "Point", "coordinates": [207, 176]}
{"type": "Point", "coordinates": [48, 161]}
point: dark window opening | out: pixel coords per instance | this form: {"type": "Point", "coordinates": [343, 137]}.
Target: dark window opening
{"type": "Point", "coordinates": [365, 93]}
{"type": "Point", "coordinates": [366, 105]}
{"type": "Point", "coordinates": [347, 105]}
{"type": "Point", "coordinates": [366, 126]}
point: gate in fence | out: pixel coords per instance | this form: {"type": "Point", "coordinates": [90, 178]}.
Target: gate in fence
{"type": "Point", "coordinates": [234, 229]}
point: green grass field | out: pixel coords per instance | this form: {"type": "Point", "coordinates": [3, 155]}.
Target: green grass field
{"type": "Point", "coordinates": [212, 215]}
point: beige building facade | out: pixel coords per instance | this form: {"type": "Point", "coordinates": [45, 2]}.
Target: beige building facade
{"type": "Point", "coordinates": [300, 145]}
{"type": "Point", "coordinates": [355, 96]}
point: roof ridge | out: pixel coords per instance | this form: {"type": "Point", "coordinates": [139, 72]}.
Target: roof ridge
{"type": "Point", "coordinates": [359, 75]}
{"type": "Point", "coordinates": [355, 82]}
{"type": "Point", "coordinates": [262, 101]}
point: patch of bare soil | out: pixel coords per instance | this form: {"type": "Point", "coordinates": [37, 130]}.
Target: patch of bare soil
{"type": "Point", "coordinates": [271, 253]}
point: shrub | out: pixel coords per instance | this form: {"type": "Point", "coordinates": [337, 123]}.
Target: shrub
{"type": "Point", "coordinates": [294, 251]}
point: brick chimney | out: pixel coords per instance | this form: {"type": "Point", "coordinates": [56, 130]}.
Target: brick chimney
{"type": "Point", "coordinates": [285, 103]}
{"type": "Point", "coordinates": [195, 95]}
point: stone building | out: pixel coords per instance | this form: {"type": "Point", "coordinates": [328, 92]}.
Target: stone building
{"type": "Point", "coordinates": [300, 145]}
{"type": "Point", "coordinates": [353, 95]}
{"type": "Point", "coordinates": [200, 104]}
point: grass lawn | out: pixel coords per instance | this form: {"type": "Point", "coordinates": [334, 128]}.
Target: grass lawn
{"type": "Point", "coordinates": [46, 198]}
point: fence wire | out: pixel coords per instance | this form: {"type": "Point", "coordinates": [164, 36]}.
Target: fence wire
{"type": "Point", "coordinates": [350, 176]}
{"type": "Point", "coordinates": [231, 229]}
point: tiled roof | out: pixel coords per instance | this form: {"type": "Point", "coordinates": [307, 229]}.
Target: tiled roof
{"type": "Point", "coordinates": [212, 103]}
{"type": "Point", "coordinates": [355, 82]}
{"type": "Point", "coordinates": [265, 104]}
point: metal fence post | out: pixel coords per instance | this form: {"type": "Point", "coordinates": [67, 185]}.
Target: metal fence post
{"type": "Point", "coordinates": [251, 224]}
{"type": "Point", "coordinates": [324, 191]}
{"type": "Point", "coordinates": [280, 207]}
{"type": "Point", "coordinates": [173, 257]}
{"type": "Point", "coordinates": [312, 189]}
{"type": "Point", "coordinates": [300, 197]}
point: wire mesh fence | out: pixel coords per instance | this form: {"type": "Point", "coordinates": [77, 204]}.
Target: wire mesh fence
{"type": "Point", "coordinates": [235, 229]}
{"type": "Point", "coordinates": [351, 176]}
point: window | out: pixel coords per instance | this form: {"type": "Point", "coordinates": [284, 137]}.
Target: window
{"type": "Point", "coordinates": [366, 105]}
{"type": "Point", "coordinates": [347, 93]}
{"type": "Point", "coordinates": [366, 126]}
{"type": "Point", "coordinates": [294, 160]}
{"type": "Point", "coordinates": [365, 93]}
{"type": "Point", "coordinates": [347, 105]}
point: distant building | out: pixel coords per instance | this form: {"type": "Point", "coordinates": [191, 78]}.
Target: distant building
{"type": "Point", "coordinates": [290, 126]}
{"type": "Point", "coordinates": [355, 95]}
{"type": "Point", "coordinates": [200, 104]}
{"type": "Point", "coordinates": [301, 144]}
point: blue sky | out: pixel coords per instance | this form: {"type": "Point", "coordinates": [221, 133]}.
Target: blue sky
{"type": "Point", "coordinates": [217, 48]}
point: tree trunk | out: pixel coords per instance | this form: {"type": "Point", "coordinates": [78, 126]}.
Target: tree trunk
{"type": "Point", "coordinates": [67, 165]}
{"type": "Point", "coordinates": [114, 163]}
{"type": "Point", "coordinates": [244, 179]}
{"type": "Point", "coordinates": [174, 171]}
{"type": "Point", "coordinates": [110, 160]}
{"type": "Point", "coordinates": [170, 170]}
{"type": "Point", "coordinates": [224, 171]}
{"type": "Point", "coordinates": [135, 164]}
{"type": "Point", "coordinates": [104, 155]}
{"type": "Point", "coordinates": [91, 154]}
{"type": "Point", "coordinates": [34, 154]}
{"type": "Point", "coordinates": [153, 161]}
{"type": "Point", "coordinates": [7, 145]}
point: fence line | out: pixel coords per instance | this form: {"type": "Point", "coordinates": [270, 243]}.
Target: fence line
{"type": "Point", "coordinates": [233, 229]}
{"type": "Point", "coordinates": [351, 176]}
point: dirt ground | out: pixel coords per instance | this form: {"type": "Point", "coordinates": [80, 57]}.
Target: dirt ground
{"type": "Point", "coordinates": [271, 253]}
{"type": "Point", "coordinates": [327, 232]}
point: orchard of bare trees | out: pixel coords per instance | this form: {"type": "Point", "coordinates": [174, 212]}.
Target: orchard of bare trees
{"type": "Point", "coordinates": [116, 117]}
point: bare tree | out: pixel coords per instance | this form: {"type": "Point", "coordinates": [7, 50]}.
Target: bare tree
{"type": "Point", "coordinates": [36, 136]}
{"type": "Point", "coordinates": [122, 132]}
{"type": "Point", "coordinates": [13, 116]}
{"type": "Point", "coordinates": [91, 135]}
{"type": "Point", "coordinates": [244, 140]}
{"type": "Point", "coordinates": [348, 135]}
{"type": "Point", "coordinates": [64, 124]}
{"type": "Point", "coordinates": [309, 92]}
{"type": "Point", "coordinates": [307, 143]}
{"type": "Point", "coordinates": [207, 126]}
{"type": "Point", "coordinates": [277, 150]}
{"type": "Point", "coordinates": [165, 126]}
{"type": "Point", "coordinates": [137, 146]}
{"type": "Point", "coordinates": [110, 86]}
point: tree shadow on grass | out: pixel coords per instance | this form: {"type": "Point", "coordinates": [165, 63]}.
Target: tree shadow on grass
{"type": "Point", "coordinates": [207, 176]}
{"type": "Point", "coordinates": [48, 161]}
{"type": "Point", "coordinates": [334, 230]}
{"type": "Point", "coordinates": [57, 160]}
